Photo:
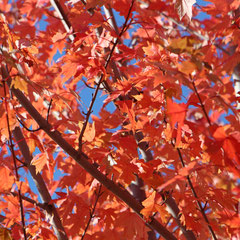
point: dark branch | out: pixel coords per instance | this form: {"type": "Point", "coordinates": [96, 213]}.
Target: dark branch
{"type": "Point", "coordinates": [28, 129]}
{"type": "Point", "coordinates": [201, 103]}
{"type": "Point", "coordinates": [99, 193]}
{"type": "Point", "coordinates": [82, 160]}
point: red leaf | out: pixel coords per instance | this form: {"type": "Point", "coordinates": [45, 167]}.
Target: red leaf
{"type": "Point", "coordinates": [177, 114]}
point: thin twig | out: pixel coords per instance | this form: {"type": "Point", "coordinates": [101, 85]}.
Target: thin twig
{"type": "Point", "coordinates": [195, 33]}
{"type": "Point", "coordinates": [39, 128]}
{"type": "Point", "coordinates": [101, 78]}
{"type": "Point", "coordinates": [99, 193]}
{"type": "Point", "coordinates": [196, 196]}
{"type": "Point", "coordinates": [49, 107]}
{"type": "Point", "coordinates": [168, 221]}
{"type": "Point", "coordinates": [90, 86]}
{"type": "Point", "coordinates": [201, 103]}
{"type": "Point", "coordinates": [14, 161]}
{"type": "Point", "coordinates": [51, 211]}
{"type": "Point", "coordinates": [30, 200]}
{"type": "Point", "coordinates": [24, 126]}
{"type": "Point", "coordinates": [202, 209]}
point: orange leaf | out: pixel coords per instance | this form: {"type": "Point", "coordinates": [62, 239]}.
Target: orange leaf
{"type": "Point", "coordinates": [188, 169]}
{"type": "Point", "coordinates": [90, 132]}
{"type": "Point", "coordinates": [187, 67]}
{"type": "Point", "coordinates": [171, 181]}
{"type": "Point", "coordinates": [176, 113]}
{"type": "Point", "coordinates": [148, 205]}
{"type": "Point", "coordinates": [6, 179]}
{"type": "Point", "coordinates": [220, 133]}
{"type": "Point", "coordinates": [39, 161]}
{"type": "Point", "coordinates": [59, 36]}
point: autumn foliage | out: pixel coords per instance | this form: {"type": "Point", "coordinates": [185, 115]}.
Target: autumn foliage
{"type": "Point", "coordinates": [119, 119]}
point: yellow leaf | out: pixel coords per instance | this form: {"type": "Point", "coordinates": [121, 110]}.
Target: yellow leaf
{"type": "Point", "coordinates": [178, 44]}
{"type": "Point", "coordinates": [20, 84]}
{"type": "Point", "coordinates": [164, 215]}
{"type": "Point", "coordinates": [148, 205]}
{"type": "Point", "coordinates": [32, 49]}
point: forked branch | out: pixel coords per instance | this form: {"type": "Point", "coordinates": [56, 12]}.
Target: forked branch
{"type": "Point", "coordinates": [82, 160]}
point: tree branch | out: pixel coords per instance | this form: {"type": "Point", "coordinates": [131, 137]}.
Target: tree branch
{"type": "Point", "coordinates": [201, 103]}
{"type": "Point", "coordinates": [30, 200]}
{"type": "Point", "coordinates": [82, 160]}
{"type": "Point", "coordinates": [137, 186]}
{"type": "Point", "coordinates": [41, 186]}
{"type": "Point", "coordinates": [101, 78]}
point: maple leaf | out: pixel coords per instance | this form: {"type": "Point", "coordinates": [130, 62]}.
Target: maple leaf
{"type": "Point", "coordinates": [94, 3]}
{"type": "Point", "coordinates": [133, 227]}
{"type": "Point", "coordinates": [127, 107]}
{"type": "Point", "coordinates": [187, 67]}
{"type": "Point", "coordinates": [19, 83]}
{"type": "Point", "coordinates": [146, 112]}
{"type": "Point", "coordinates": [39, 161]}
{"type": "Point", "coordinates": [188, 169]}
{"type": "Point", "coordinates": [177, 114]}
{"type": "Point", "coordinates": [150, 206]}
{"type": "Point", "coordinates": [6, 179]}
{"type": "Point", "coordinates": [184, 7]}
{"type": "Point", "coordinates": [90, 133]}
